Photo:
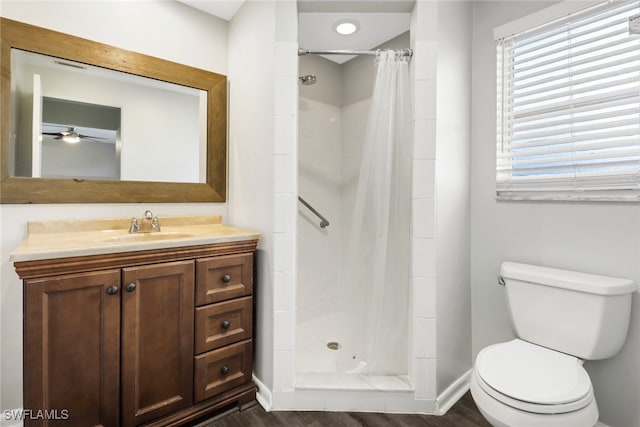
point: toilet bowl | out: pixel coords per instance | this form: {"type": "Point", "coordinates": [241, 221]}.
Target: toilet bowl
{"type": "Point", "coordinates": [561, 318]}
{"type": "Point", "coordinates": [517, 383]}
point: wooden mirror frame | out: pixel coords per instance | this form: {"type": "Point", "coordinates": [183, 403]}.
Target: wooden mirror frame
{"type": "Point", "coordinates": [27, 37]}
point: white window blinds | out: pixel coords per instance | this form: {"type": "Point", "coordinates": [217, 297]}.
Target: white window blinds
{"type": "Point", "coordinates": [568, 108]}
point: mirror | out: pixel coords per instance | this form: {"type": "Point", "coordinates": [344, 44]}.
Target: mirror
{"type": "Point", "coordinates": [75, 120]}
{"type": "Point", "coordinates": [91, 123]}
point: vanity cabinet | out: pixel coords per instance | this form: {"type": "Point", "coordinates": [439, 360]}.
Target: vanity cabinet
{"type": "Point", "coordinates": [157, 338]}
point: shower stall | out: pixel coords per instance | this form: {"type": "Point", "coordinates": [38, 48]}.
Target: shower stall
{"type": "Point", "coordinates": [314, 354]}
{"type": "Point", "coordinates": [353, 300]}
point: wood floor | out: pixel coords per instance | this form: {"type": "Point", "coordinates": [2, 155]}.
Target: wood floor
{"type": "Point", "coordinates": [463, 414]}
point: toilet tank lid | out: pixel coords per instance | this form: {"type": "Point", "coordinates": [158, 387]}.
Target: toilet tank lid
{"type": "Point", "coordinates": [572, 280]}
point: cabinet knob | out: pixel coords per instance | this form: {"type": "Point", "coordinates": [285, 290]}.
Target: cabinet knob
{"type": "Point", "coordinates": [130, 287]}
{"type": "Point", "coordinates": [224, 370]}
{"type": "Point", "coordinates": [225, 324]}
{"type": "Point", "coordinates": [226, 278]}
{"type": "Point", "coordinates": [112, 290]}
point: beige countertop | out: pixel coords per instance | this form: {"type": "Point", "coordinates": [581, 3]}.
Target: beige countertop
{"type": "Point", "coordinates": [63, 239]}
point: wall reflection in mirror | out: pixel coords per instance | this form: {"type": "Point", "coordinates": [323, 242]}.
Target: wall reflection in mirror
{"type": "Point", "coordinates": [72, 120]}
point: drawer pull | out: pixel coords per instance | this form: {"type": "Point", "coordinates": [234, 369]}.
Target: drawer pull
{"type": "Point", "coordinates": [130, 287]}
{"type": "Point", "coordinates": [226, 278]}
{"type": "Point", "coordinates": [112, 290]}
{"type": "Point", "coordinates": [224, 370]}
{"type": "Point", "coordinates": [225, 324]}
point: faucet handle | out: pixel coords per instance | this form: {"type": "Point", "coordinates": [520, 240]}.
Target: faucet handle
{"type": "Point", "coordinates": [155, 225]}
{"type": "Point", "coordinates": [134, 227]}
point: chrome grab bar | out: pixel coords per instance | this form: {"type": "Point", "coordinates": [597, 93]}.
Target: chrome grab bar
{"type": "Point", "coordinates": [323, 221]}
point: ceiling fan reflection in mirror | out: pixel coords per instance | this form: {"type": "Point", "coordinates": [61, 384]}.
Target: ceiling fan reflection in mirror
{"type": "Point", "coordinates": [73, 134]}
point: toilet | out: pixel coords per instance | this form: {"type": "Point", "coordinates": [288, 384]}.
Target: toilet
{"type": "Point", "coordinates": [561, 318]}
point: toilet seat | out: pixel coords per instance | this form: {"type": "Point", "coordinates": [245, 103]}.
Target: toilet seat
{"type": "Point", "coordinates": [533, 378]}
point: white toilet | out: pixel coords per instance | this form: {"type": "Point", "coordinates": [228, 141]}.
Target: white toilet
{"type": "Point", "coordinates": [561, 318]}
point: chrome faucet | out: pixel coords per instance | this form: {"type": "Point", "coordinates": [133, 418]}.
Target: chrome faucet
{"type": "Point", "coordinates": [148, 224]}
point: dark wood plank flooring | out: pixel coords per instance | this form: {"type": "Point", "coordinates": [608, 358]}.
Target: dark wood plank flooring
{"type": "Point", "coordinates": [463, 414]}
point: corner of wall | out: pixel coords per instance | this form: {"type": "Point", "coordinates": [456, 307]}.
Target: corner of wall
{"type": "Point", "coordinates": [452, 393]}
{"type": "Point", "coordinates": [452, 191]}
{"type": "Point", "coordinates": [251, 149]}
{"type": "Point", "coordinates": [263, 394]}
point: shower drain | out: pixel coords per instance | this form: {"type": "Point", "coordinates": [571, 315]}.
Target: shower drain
{"type": "Point", "coordinates": [333, 345]}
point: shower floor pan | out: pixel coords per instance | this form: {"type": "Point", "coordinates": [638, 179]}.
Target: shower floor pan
{"type": "Point", "coordinates": [341, 381]}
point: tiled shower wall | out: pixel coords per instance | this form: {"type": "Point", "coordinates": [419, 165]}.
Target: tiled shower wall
{"type": "Point", "coordinates": [319, 183]}
{"type": "Point", "coordinates": [423, 69]}
{"type": "Point", "coordinates": [318, 285]}
{"type": "Point", "coordinates": [285, 194]}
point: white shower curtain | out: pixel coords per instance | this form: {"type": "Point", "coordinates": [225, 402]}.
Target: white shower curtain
{"type": "Point", "coordinates": [378, 255]}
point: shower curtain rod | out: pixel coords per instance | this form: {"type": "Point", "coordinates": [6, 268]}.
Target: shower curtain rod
{"type": "Point", "coordinates": [301, 51]}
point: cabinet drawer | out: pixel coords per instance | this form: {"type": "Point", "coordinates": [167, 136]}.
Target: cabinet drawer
{"type": "Point", "coordinates": [223, 323]}
{"type": "Point", "coordinates": [222, 369]}
{"type": "Point", "coordinates": [224, 278]}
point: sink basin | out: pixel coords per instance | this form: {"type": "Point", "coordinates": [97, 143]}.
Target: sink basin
{"type": "Point", "coordinates": [146, 237]}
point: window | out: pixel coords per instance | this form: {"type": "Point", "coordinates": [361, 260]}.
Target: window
{"type": "Point", "coordinates": [568, 108]}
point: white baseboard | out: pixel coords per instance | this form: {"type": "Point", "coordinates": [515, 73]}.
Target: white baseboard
{"type": "Point", "coordinates": [453, 393]}
{"type": "Point", "coordinates": [457, 389]}
{"type": "Point", "coordinates": [263, 396]}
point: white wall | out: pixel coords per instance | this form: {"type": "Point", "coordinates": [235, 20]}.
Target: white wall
{"type": "Point", "coordinates": [251, 143]}
{"type": "Point", "coordinates": [160, 28]}
{"type": "Point", "coordinates": [85, 159]}
{"type": "Point", "coordinates": [318, 285]}
{"type": "Point", "coordinates": [328, 88]}
{"type": "Point", "coordinates": [441, 39]}
{"type": "Point", "coordinates": [319, 183]}
{"type": "Point", "coordinates": [359, 73]}
{"type": "Point", "coordinates": [601, 238]}
{"type": "Point", "coordinates": [168, 30]}
{"type": "Point", "coordinates": [263, 74]}
{"type": "Point", "coordinates": [452, 207]}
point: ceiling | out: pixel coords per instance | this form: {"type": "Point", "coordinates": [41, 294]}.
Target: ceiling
{"type": "Point", "coordinates": [379, 21]}
{"type": "Point", "coordinates": [224, 9]}
{"type": "Point", "coordinates": [315, 31]}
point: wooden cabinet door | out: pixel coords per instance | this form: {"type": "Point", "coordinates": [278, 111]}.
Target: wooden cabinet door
{"type": "Point", "coordinates": [72, 349]}
{"type": "Point", "coordinates": [157, 340]}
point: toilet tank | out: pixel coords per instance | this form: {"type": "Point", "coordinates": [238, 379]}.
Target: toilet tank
{"type": "Point", "coordinates": [584, 315]}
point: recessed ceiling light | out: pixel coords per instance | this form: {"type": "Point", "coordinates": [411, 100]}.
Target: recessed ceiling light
{"type": "Point", "coordinates": [346, 27]}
